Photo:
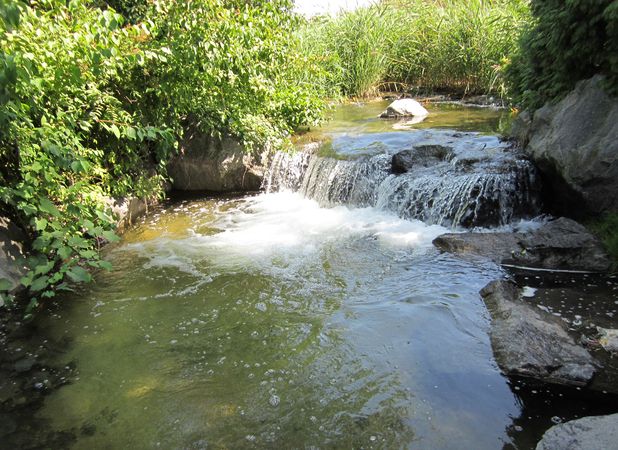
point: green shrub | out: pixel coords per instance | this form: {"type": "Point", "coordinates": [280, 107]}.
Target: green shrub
{"type": "Point", "coordinates": [568, 41]}
{"type": "Point", "coordinates": [606, 228]}
{"type": "Point", "coordinates": [91, 108]}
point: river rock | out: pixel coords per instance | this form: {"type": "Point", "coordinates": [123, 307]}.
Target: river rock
{"type": "Point", "coordinates": [128, 209]}
{"type": "Point", "coordinates": [574, 143]}
{"type": "Point", "coordinates": [559, 244]}
{"type": "Point", "coordinates": [404, 107]}
{"type": "Point", "coordinates": [587, 433]}
{"type": "Point", "coordinates": [608, 339]}
{"type": "Point", "coordinates": [424, 155]}
{"type": "Point", "coordinates": [12, 253]}
{"type": "Point", "coordinates": [531, 343]}
{"type": "Point", "coordinates": [214, 164]}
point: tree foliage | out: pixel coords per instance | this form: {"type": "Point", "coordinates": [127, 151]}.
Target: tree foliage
{"type": "Point", "coordinates": [569, 40]}
{"type": "Point", "coordinates": [92, 108]}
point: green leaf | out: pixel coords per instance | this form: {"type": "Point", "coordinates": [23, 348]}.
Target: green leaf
{"type": "Point", "coordinates": [110, 236]}
{"type": "Point", "coordinates": [44, 268]}
{"type": "Point", "coordinates": [79, 274]}
{"type": "Point", "coordinates": [6, 285]}
{"type": "Point", "coordinates": [131, 133]}
{"type": "Point", "coordinates": [65, 252]}
{"type": "Point", "coordinates": [115, 130]}
{"type": "Point", "coordinates": [39, 284]}
{"type": "Point", "coordinates": [78, 242]}
{"type": "Point", "coordinates": [88, 254]}
{"type": "Point", "coordinates": [105, 265]}
{"type": "Point", "coordinates": [47, 206]}
{"type": "Point", "coordinates": [40, 224]}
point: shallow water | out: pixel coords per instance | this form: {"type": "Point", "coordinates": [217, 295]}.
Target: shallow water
{"type": "Point", "coordinates": [270, 321]}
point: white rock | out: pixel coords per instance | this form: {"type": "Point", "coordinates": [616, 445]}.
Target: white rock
{"type": "Point", "coordinates": [609, 339]}
{"type": "Point", "coordinates": [404, 107]}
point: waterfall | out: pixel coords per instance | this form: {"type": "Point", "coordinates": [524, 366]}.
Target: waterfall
{"type": "Point", "coordinates": [454, 191]}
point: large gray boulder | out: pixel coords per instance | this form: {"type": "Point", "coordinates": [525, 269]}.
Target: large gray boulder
{"type": "Point", "coordinates": [575, 145]}
{"type": "Point", "coordinates": [207, 163]}
{"type": "Point", "coordinates": [559, 244]}
{"type": "Point", "coordinates": [12, 253]}
{"type": "Point", "coordinates": [587, 433]}
{"type": "Point", "coordinates": [405, 107]}
{"type": "Point", "coordinates": [529, 342]}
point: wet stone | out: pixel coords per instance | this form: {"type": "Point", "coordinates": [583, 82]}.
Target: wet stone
{"type": "Point", "coordinates": [588, 433]}
{"type": "Point", "coordinates": [24, 364]}
{"type": "Point", "coordinates": [531, 343]}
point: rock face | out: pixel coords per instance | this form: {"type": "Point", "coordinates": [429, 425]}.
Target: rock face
{"type": "Point", "coordinates": [127, 210]}
{"type": "Point", "coordinates": [12, 253]}
{"type": "Point", "coordinates": [214, 164]}
{"type": "Point", "coordinates": [559, 244]}
{"type": "Point", "coordinates": [424, 155]}
{"type": "Point", "coordinates": [405, 107]}
{"type": "Point", "coordinates": [528, 342]}
{"type": "Point", "coordinates": [587, 433]}
{"type": "Point", "coordinates": [575, 145]}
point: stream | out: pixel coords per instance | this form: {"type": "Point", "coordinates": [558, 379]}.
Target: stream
{"type": "Point", "coordinates": [316, 314]}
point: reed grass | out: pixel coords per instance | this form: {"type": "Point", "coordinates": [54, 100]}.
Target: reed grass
{"type": "Point", "coordinates": [459, 46]}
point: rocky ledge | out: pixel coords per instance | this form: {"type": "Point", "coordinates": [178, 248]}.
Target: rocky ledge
{"type": "Point", "coordinates": [531, 343]}
{"type": "Point", "coordinates": [558, 244]}
{"type": "Point", "coordinates": [587, 433]}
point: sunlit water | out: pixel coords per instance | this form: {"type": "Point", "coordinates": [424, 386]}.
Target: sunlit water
{"type": "Point", "coordinates": [270, 321]}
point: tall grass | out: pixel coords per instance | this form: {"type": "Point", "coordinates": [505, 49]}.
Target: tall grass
{"type": "Point", "coordinates": [353, 48]}
{"type": "Point", "coordinates": [454, 45]}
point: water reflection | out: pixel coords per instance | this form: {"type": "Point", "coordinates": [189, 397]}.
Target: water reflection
{"type": "Point", "coordinates": [269, 322]}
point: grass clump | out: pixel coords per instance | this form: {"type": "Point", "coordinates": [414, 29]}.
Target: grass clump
{"type": "Point", "coordinates": [450, 45]}
{"type": "Point", "coordinates": [606, 228]}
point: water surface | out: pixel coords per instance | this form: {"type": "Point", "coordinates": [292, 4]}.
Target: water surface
{"type": "Point", "coordinates": [270, 322]}
{"type": "Point", "coordinates": [275, 321]}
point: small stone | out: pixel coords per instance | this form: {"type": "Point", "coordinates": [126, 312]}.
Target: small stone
{"type": "Point", "coordinates": [274, 401]}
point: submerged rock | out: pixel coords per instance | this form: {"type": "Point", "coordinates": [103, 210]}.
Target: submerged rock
{"type": "Point", "coordinates": [405, 107]}
{"type": "Point", "coordinates": [559, 244]}
{"type": "Point", "coordinates": [587, 433]}
{"type": "Point", "coordinates": [12, 253]}
{"type": "Point", "coordinates": [531, 343]}
{"type": "Point", "coordinates": [214, 164]}
{"type": "Point", "coordinates": [575, 145]}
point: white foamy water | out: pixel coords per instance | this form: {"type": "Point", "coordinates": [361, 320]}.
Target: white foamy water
{"type": "Point", "coordinates": [285, 228]}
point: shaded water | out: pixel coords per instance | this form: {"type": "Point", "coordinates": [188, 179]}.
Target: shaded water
{"type": "Point", "coordinates": [271, 321]}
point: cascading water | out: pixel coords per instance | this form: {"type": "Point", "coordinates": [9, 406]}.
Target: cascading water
{"type": "Point", "coordinates": [270, 321]}
{"type": "Point", "coordinates": [467, 186]}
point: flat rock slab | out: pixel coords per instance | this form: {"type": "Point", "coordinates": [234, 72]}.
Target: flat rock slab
{"type": "Point", "coordinates": [531, 343]}
{"type": "Point", "coordinates": [559, 244]}
{"type": "Point", "coordinates": [587, 433]}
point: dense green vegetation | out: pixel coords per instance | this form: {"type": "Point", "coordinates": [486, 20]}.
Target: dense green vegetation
{"type": "Point", "coordinates": [567, 41]}
{"type": "Point", "coordinates": [95, 95]}
{"type": "Point", "coordinates": [92, 107]}
{"type": "Point", "coordinates": [606, 229]}
{"type": "Point", "coordinates": [449, 45]}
